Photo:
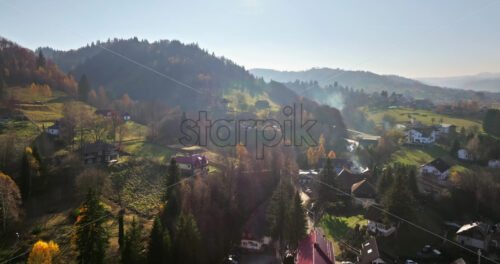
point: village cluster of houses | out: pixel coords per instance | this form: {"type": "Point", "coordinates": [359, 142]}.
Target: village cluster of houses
{"type": "Point", "coordinates": [418, 133]}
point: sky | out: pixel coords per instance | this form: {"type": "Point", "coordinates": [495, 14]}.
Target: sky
{"type": "Point", "coordinates": [421, 38]}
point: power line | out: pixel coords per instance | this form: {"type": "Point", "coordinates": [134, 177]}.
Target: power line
{"type": "Point", "coordinates": [402, 219]}
{"type": "Point", "coordinates": [89, 223]}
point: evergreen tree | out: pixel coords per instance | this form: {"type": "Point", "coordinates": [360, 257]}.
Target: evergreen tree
{"type": "Point", "coordinates": [3, 86]}
{"type": "Point", "coordinates": [155, 247]}
{"type": "Point", "coordinates": [187, 240]}
{"type": "Point", "coordinates": [167, 246]}
{"type": "Point", "coordinates": [454, 148]}
{"type": "Point", "coordinates": [90, 236]}
{"type": "Point", "coordinates": [25, 176]}
{"type": "Point", "coordinates": [173, 177]}
{"type": "Point", "coordinates": [399, 200]}
{"type": "Point", "coordinates": [326, 191]}
{"type": "Point", "coordinates": [297, 222]}
{"type": "Point", "coordinates": [412, 180]}
{"type": "Point", "coordinates": [40, 60]}
{"type": "Point", "coordinates": [84, 88]}
{"type": "Point", "coordinates": [121, 231]}
{"type": "Point", "coordinates": [132, 250]}
{"type": "Point", "coordinates": [384, 182]}
{"type": "Point", "coordinates": [491, 122]}
{"type": "Point", "coordinates": [172, 207]}
{"type": "Point", "coordinates": [278, 212]}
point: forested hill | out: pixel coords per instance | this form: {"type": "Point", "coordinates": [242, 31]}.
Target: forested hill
{"type": "Point", "coordinates": [371, 82]}
{"type": "Point", "coordinates": [206, 73]}
{"type": "Point", "coordinates": [20, 67]}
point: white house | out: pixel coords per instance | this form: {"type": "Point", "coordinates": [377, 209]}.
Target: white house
{"type": "Point", "coordinates": [494, 163]}
{"type": "Point", "coordinates": [437, 168]}
{"type": "Point", "coordinates": [421, 135]}
{"type": "Point", "coordinates": [53, 129]}
{"type": "Point", "coordinates": [463, 154]}
{"type": "Point", "coordinates": [375, 218]}
{"type": "Point", "coordinates": [474, 235]}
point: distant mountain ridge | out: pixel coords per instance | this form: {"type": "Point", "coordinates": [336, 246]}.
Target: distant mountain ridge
{"type": "Point", "coordinates": [486, 81]}
{"type": "Point", "coordinates": [371, 82]}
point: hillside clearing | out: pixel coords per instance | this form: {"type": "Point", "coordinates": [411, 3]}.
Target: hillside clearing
{"type": "Point", "coordinates": [402, 115]}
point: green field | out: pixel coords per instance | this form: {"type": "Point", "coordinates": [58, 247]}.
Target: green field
{"type": "Point", "coordinates": [147, 150]}
{"type": "Point", "coordinates": [401, 116]}
{"type": "Point", "coordinates": [410, 155]}
{"type": "Point", "coordinates": [244, 102]}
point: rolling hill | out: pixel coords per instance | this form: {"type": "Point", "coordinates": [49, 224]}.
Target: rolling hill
{"type": "Point", "coordinates": [371, 82]}
{"type": "Point", "coordinates": [489, 82]}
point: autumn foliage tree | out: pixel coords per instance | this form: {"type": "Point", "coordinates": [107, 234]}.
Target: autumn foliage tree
{"type": "Point", "coordinates": [10, 201]}
{"type": "Point", "coordinates": [90, 237]}
{"type": "Point", "coordinates": [43, 253]}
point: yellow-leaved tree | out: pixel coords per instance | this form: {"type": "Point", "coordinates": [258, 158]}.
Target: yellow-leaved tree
{"type": "Point", "coordinates": [43, 252]}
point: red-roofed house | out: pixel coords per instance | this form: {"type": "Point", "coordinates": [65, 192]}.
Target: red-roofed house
{"type": "Point", "coordinates": [192, 162]}
{"type": "Point", "coordinates": [315, 249]}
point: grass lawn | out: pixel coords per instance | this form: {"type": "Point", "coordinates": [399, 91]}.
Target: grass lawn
{"type": "Point", "coordinates": [243, 98]}
{"type": "Point", "coordinates": [424, 116]}
{"type": "Point", "coordinates": [147, 150]}
{"type": "Point", "coordinates": [417, 156]}
{"type": "Point", "coordinates": [135, 131]}
{"type": "Point", "coordinates": [339, 227]}
{"type": "Point", "coordinates": [24, 130]}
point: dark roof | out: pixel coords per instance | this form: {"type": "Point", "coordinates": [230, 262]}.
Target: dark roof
{"type": "Point", "coordinates": [363, 189]}
{"type": "Point", "coordinates": [374, 214]}
{"type": "Point", "coordinates": [97, 146]}
{"type": "Point", "coordinates": [369, 252]}
{"type": "Point", "coordinates": [347, 178]}
{"type": "Point", "coordinates": [315, 249]}
{"type": "Point", "coordinates": [439, 164]}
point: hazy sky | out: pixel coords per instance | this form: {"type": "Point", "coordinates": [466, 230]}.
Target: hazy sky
{"type": "Point", "coordinates": [410, 38]}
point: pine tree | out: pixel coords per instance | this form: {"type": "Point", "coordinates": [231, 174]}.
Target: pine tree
{"type": "Point", "coordinates": [84, 88]}
{"type": "Point", "coordinates": [384, 182]}
{"type": "Point", "coordinates": [132, 250]}
{"type": "Point", "coordinates": [278, 212]}
{"type": "Point", "coordinates": [399, 200]}
{"type": "Point", "coordinates": [155, 247]}
{"type": "Point", "coordinates": [3, 86]}
{"type": "Point", "coordinates": [326, 185]}
{"type": "Point", "coordinates": [173, 177]}
{"type": "Point", "coordinates": [172, 207]}
{"type": "Point", "coordinates": [297, 222]}
{"type": "Point", "coordinates": [167, 246]}
{"type": "Point", "coordinates": [90, 236]}
{"type": "Point", "coordinates": [454, 148]}
{"type": "Point", "coordinates": [412, 180]}
{"type": "Point", "coordinates": [25, 176]}
{"type": "Point", "coordinates": [121, 231]}
{"type": "Point", "coordinates": [40, 61]}
{"type": "Point", "coordinates": [187, 240]}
